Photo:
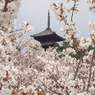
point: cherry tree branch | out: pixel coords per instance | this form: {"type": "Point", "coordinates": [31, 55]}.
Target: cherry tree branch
{"type": "Point", "coordinates": [90, 68]}
{"type": "Point", "coordinates": [21, 47]}
{"type": "Point", "coordinates": [6, 3]}
{"type": "Point", "coordinates": [55, 92]}
{"type": "Point", "coordinates": [73, 10]}
{"type": "Point", "coordinates": [18, 29]}
{"type": "Point", "coordinates": [83, 85]}
{"type": "Point", "coordinates": [78, 65]}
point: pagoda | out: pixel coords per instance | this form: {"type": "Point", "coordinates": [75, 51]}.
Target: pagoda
{"type": "Point", "coordinates": [48, 37]}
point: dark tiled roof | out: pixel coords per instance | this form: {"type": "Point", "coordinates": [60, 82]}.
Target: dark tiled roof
{"type": "Point", "coordinates": [48, 33]}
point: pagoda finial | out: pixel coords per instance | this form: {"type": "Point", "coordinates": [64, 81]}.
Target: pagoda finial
{"type": "Point", "coordinates": [48, 19]}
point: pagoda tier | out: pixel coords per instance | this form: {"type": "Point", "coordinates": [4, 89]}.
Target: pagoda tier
{"type": "Point", "coordinates": [47, 35]}
{"type": "Point", "coordinates": [47, 44]}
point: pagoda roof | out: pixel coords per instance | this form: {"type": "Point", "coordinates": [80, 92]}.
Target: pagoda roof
{"type": "Point", "coordinates": [47, 34]}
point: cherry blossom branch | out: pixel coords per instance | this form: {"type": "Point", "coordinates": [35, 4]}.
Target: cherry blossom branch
{"type": "Point", "coordinates": [78, 65]}
{"type": "Point", "coordinates": [21, 47]}
{"type": "Point", "coordinates": [6, 3]}
{"type": "Point", "coordinates": [55, 92]}
{"type": "Point", "coordinates": [65, 21]}
{"type": "Point", "coordinates": [11, 0]}
{"type": "Point", "coordinates": [57, 71]}
{"type": "Point", "coordinates": [90, 68]}
{"type": "Point", "coordinates": [16, 30]}
{"type": "Point", "coordinates": [20, 34]}
{"type": "Point", "coordinates": [73, 10]}
{"type": "Point", "coordinates": [93, 74]}
{"type": "Point", "coordinates": [84, 84]}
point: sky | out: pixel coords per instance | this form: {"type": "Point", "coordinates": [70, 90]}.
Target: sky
{"type": "Point", "coordinates": [36, 13]}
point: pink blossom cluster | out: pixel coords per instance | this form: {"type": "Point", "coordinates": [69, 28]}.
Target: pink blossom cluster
{"type": "Point", "coordinates": [70, 31]}
{"type": "Point", "coordinates": [92, 7]}
{"type": "Point", "coordinates": [8, 41]}
{"type": "Point", "coordinates": [61, 12]}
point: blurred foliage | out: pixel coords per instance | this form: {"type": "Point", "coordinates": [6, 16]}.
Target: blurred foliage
{"type": "Point", "coordinates": [65, 44]}
{"type": "Point", "coordinates": [18, 48]}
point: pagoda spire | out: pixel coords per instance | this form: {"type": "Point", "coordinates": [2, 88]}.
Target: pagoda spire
{"type": "Point", "coordinates": [48, 19]}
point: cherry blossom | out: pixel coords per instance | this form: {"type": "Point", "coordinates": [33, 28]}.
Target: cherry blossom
{"type": "Point", "coordinates": [43, 72]}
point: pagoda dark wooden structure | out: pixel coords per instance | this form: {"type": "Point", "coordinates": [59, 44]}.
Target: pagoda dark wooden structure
{"type": "Point", "coordinates": [48, 37]}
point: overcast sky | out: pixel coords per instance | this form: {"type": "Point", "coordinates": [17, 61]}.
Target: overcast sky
{"type": "Point", "coordinates": [36, 11]}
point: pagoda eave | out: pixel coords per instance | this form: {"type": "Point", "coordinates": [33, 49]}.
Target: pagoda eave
{"type": "Point", "coordinates": [52, 37]}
